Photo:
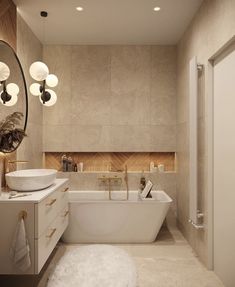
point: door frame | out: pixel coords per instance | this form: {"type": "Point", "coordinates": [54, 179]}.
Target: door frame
{"type": "Point", "coordinates": [210, 149]}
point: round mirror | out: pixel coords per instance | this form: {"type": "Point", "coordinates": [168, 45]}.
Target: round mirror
{"type": "Point", "coordinates": [13, 100]}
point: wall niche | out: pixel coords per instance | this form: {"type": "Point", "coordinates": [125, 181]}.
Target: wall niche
{"type": "Point", "coordinates": [113, 161]}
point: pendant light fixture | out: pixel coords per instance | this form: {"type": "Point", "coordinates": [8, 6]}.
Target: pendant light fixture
{"type": "Point", "coordinates": [40, 73]}
{"type": "Point", "coordinates": [8, 92]}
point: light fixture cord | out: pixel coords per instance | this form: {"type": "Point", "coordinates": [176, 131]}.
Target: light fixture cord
{"type": "Point", "coordinates": [43, 30]}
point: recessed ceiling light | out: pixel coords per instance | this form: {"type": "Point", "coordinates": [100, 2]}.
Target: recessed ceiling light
{"type": "Point", "coordinates": [157, 9]}
{"type": "Point", "coordinates": [79, 9]}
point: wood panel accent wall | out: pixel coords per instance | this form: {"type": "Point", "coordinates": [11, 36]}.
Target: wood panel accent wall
{"type": "Point", "coordinates": [108, 161]}
{"type": "Point", "coordinates": [8, 34]}
{"type": "Point", "coordinates": [8, 22]}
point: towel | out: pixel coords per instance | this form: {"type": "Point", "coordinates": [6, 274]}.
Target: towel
{"type": "Point", "coordinates": [20, 251]}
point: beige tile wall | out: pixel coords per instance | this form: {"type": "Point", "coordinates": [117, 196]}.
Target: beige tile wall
{"type": "Point", "coordinates": [212, 26]}
{"type": "Point", "coordinates": [111, 98]}
{"type": "Point", "coordinates": [29, 49]}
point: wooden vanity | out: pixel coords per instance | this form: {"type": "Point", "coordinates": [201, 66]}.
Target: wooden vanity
{"type": "Point", "coordinates": [46, 218]}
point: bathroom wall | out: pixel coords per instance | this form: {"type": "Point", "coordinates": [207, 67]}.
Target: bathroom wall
{"type": "Point", "coordinates": [29, 50]}
{"type": "Point", "coordinates": [111, 98]}
{"type": "Point", "coordinates": [212, 26]}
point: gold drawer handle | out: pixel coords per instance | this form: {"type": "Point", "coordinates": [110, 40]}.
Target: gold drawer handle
{"type": "Point", "coordinates": [65, 214]}
{"type": "Point", "coordinates": [51, 202]}
{"type": "Point", "coordinates": [51, 234]}
{"type": "Point", "coordinates": [66, 189]}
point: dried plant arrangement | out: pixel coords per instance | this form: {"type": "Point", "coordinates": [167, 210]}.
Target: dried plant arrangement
{"type": "Point", "coordinates": [10, 135]}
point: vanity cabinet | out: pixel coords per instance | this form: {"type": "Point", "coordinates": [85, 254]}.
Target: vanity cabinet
{"type": "Point", "coordinates": [46, 220]}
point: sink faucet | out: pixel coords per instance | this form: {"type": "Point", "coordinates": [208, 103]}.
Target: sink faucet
{"type": "Point", "coordinates": [9, 162]}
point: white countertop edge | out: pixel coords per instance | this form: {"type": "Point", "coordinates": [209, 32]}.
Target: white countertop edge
{"type": "Point", "coordinates": [36, 196]}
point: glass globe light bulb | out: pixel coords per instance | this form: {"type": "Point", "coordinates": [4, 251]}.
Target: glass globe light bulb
{"type": "Point", "coordinates": [12, 101]}
{"type": "Point", "coordinates": [4, 72]}
{"type": "Point", "coordinates": [39, 71]}
{"type": "Point", "coordinates": [52, 100]}
{"type": "Point", "coordinates": [12, 89]}
{"type": "Point", "coordinates": [35, 89]}
{"type": "Point", "coordinates": [52, 81]}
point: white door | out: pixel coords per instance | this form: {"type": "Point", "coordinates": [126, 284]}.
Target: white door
{"type": "Point", "coordinates": [224, 167]}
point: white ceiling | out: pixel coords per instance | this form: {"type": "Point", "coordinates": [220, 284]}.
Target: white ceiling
{"type": "Point", "coordinates": [109, 21]}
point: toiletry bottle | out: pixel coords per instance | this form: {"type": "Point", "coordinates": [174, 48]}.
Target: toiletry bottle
{"type": "Point", "coordinates": [142, 181]}
{"type": "Point", "coordinates": [161, 168]}
{"type": "Point", "coordinates": [81, 166]}
{"type": "Point", "coordinates": [70, 164]}
{"type": "Point", "coordinates": [64, 163]}
{"type": "Point", "coordinates": [75, 168]}
{"type": "Point", "coordinates": [151, 166]}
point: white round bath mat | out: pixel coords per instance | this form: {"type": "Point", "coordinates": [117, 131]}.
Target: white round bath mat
{"type": "Point", "coordinates": [94, 266]}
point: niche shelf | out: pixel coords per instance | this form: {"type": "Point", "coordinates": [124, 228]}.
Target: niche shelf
{"type": "Point", "coordinates": [113, 161]}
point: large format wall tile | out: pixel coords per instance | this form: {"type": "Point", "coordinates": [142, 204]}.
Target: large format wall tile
{"type": "Point", "coordinates": [131, 108]}
{"type": "Point", "coordinates": [130, 138]}
{"type": "Point", "coordinates": [163, 85]}
{"type": "Point", "coordinates": [29, 50]}
{"type": "Point", "coordinates": [90, 85]}
{"type": "Point", "coordinates": [60, 65]}
{"type": "Point", "coordinates": [130, 68]}
{"type": "Point", "coordinates": [90, 138]}
{"type": "Point", "coordinates": [112, 98]}
{"type": "Point", "coordinates": [57, 138]}
{"type": "Point", "coordinates": [163, 137]}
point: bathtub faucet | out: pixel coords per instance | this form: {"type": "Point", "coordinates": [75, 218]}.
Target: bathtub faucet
{"type": "Point", "coordinates": [110, 179]}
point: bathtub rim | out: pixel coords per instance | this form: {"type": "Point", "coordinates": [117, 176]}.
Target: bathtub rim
{"type": "Point", "coordinates": [166, 200]}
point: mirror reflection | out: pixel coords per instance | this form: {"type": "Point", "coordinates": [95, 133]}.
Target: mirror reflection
{"type": "Point", "coordinates": [13, 100]}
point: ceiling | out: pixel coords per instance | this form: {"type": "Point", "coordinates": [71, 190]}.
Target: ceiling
{"type": "Point", "coordinates": [108, 21]}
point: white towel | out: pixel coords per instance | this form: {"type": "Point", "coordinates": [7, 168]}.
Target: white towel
{"type": "Point", "coordinates": [20, 251]}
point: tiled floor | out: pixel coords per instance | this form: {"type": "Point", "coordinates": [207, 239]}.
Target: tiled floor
{"type": "Point", "coordinates": [168, 262]}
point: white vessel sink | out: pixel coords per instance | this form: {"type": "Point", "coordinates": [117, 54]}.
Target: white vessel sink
{"type": "Point", "coordinates": [30, 179]}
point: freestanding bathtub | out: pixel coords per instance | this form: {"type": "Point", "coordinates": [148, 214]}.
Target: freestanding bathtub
{"type": "Point", "coordinates": [93, 218]}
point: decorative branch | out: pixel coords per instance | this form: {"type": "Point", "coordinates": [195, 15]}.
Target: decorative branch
{"type": "Point", "coordinates": [10, 136]}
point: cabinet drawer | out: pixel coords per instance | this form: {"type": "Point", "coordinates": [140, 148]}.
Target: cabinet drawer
{"type": "Point", "coordinates": [48, 240]}
{"type": "Point", "coordinates": [49, 208]}
{"type": "Point", "coordinates": [63, 196]}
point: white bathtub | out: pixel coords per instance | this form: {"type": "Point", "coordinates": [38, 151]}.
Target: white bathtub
{"type": "Point", "coordinates": [93, 218]}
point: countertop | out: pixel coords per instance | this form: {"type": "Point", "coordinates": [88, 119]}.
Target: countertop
{"type": "Point", "coordinates": [34, 196]}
